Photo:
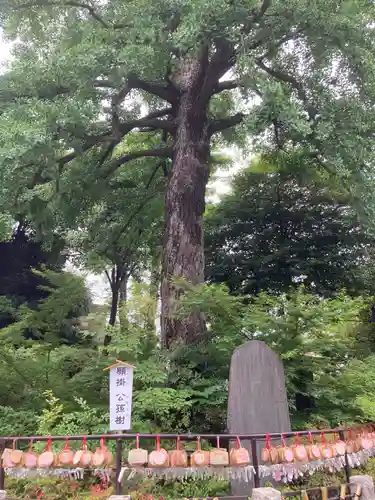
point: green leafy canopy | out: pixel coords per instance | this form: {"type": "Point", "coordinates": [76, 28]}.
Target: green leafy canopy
{"type": "Point", "coordinates": [83, 75]}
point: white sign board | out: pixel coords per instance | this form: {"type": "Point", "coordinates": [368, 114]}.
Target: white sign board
{"type": "Point", "coordinates": [120, 398]}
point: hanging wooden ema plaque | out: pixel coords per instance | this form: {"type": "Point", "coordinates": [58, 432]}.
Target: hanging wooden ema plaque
{"type": "Point", "coordinates": [120, 395]}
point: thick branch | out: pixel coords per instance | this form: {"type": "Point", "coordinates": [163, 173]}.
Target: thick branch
{"type": "Point", "coordinates": [108, 277]}
{"type": "Point", "coordinates": [66, 3]}
{"type": "Point", "coordinates": [228, 85]}
{"type": "Point", "coordinates": [264, 7]}
{"type": "Point", "coordinates": [104, 84]}
{"type": "Point", "coordinates": [156, 152]}
{"type": "Point", "coordinates": [154, 124]}
{"type": "Point", "coordinates": [47, 93]}
{"type": "Point", "coordinates": [125, 128]}
{"type": "Point", "coordinates": [116, 100]}
{"type": "Point", "coordinates": [221, 62]}
{"type": "Point", "coordinates": [295, 84]}
{"type": "Point", "coordinates": [88, 144]}
{"type": "Point", "coordinates": [166, 92]}
{"type": "Point", "coordinates": [120, 96]}
{"type": "Point", "coordinates": [226, 52]}
{"type": "Point", "coordinates": [220, 125]}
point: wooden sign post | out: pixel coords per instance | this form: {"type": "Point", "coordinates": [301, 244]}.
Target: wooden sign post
{"type": "Point", "coordinates": [120, 395]}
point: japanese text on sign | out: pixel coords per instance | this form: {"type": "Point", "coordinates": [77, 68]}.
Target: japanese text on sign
{"type": "Point", "coordinates": [120, 397]}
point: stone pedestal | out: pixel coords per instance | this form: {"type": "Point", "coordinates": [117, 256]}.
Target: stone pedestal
{"type": "Point", "coordinates": [3, 494]}
{"type": "Point", "coordinates": [119, 497]}
{"type": "Point", "coordinates": [265, 494]}
{"type": "Point", "coordinates": [367, 484]}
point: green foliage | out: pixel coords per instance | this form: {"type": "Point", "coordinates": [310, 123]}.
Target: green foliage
{"type": "Point", "coordinates": [56, 317]}
{"type": "Point", "coordinates": [93, 87]}
{"type": "Point", "coordinates": [59, 105]}
{"type": "Point", "coordinates": [284, 223]}
{"type": "Point", "coordinates": [73, 102]}
{"type": "Point", "coordinates": [17, 422]}
{"type": "Point", "coordinates": [315, 338]}
{"type": "Point", "coordinates": [56, 489]}
{"type": "Point", "coordinates": [6, 223]}
{"type": "Point", "coordinates": [19, 285]}
{"type": "Point", "coordinates": [54, 419]}
{"type": "Point", "coordinates": [65, 389]}
{"type": "Point", "coordinates": [118, 229]}
{"type": "Point", "coordinates": [185, 489]}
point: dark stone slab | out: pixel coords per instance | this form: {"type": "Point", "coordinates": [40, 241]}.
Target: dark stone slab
{"type": "Point", "coordinates": [257, 397]}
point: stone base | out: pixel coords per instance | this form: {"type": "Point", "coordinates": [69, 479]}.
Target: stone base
{"type": "Point", "coordinates": [119, 497]}
{"type": "Point", "coordinates": [265, 494]}
{"type": "Point", "coordinates": [367, 484]}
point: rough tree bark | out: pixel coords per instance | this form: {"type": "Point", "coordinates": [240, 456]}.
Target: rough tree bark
{"type": "Point", "coordinates": [114, 305]}
{"type": "Point", "coordinates": [183, 255]}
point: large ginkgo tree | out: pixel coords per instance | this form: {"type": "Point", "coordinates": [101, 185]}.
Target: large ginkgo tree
{"type": "Point", "coordinates": [86, 73]}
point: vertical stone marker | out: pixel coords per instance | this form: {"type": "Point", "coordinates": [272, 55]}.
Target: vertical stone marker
{"type": "Point", "coordinates": [257, 401]}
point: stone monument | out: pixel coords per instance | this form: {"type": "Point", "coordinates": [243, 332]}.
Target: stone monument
{"type": "Point", "coordinates": [257, 401]}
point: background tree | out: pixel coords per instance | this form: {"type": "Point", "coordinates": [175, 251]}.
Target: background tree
{"type": "Point", "coordinates": [55, 318]}
{"type": "Point", "coordinates": [120, 235]}
{"type": "Point", "coordinates": [20, 254]}
{"type": "Point", "coordinates": [316, 339]}
{"type": "Point", "coordinates": [281, 226]}
{"type": "Point", "coordinates": [80, 72]}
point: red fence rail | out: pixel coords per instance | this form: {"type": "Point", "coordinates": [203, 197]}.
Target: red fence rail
{"type": "Point", "coordinates": [224, 438]}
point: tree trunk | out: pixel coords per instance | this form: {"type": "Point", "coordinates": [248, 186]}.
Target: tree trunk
{"type": "Point", "coordinates": [114, 305]}
{"type": "Point", "coordinates": [154, 293]}
{"type": "Point", "coordinates": [183, 255]}
{"type": "Point", "coordinates": [124, 289]}
{"type": "Point", "coordinates": [123, 313]}
{"type": "Point", "coordinates": [115, 288]}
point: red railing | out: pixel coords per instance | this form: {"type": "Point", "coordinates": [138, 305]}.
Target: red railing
{"type": "Point", "coordinates": [224, 438]}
